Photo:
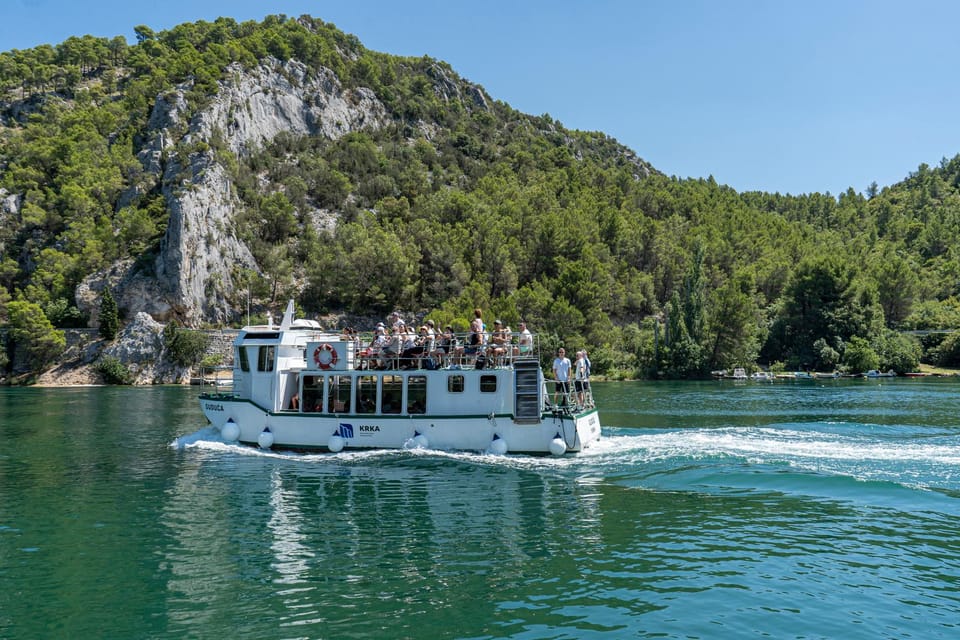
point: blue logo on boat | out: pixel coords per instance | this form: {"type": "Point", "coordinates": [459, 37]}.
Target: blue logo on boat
{"type": "Point", "coordinates": [346, 430]}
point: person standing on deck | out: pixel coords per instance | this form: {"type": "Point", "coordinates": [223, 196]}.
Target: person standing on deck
{"type": "Point", "coordinates": [526, 339]}
{"type": "Point", "coordinates": [561, 375]}
{"type": "Point", "coordinates": [581, 377]}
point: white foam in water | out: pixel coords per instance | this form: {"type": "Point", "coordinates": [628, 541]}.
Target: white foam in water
{"type": "Point", "coordinates": [771, 445]}
{"type": "Point", "coordinates": [916, 463]}
{"type": "Point", "coordinates": [209, 439]}
{"type": "Point", "coordinates": [919, 463]}
{"type": "Point", "coordinates": [207, 434]}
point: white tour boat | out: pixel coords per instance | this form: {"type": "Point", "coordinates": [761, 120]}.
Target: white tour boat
{"type": "Point", "coordinates": [298, 387]}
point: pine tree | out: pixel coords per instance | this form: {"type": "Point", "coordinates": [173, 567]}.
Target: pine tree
{"type": "Point", "coordinates": [109, 319]}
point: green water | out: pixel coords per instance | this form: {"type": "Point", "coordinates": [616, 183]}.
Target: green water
{"type": "Point", "coordinates": [709, 510]}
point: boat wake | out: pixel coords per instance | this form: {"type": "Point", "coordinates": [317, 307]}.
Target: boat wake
{"type": "Point", "coordinates": [693, 457]}
{"type": "Point", "coordinates": [721, 456]}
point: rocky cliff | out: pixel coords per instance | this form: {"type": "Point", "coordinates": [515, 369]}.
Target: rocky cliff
{"type": "Point", "coordinates": [201, 254]}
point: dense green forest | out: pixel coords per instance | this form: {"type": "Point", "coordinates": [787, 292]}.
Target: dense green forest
{"type": "Point", "coordinates": [497, 209]}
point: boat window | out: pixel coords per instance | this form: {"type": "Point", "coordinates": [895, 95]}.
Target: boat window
{"type": "Point", "coordinates": [244, 359]}
{"type": "Point", "coordinates": [455, 384]}
{"type": "Point", "coordinates": [265, 358]}
{"type": "Point", "coordinates": [367, 394]}
{"type": "Point", "coordinates": [312, 393]}
{"type": "Point", "coordinates": [417, 394]}
{"type": "Point", "coordinates": [391, 394]}
{"type": "Point", "coordinates": [488, 384]}
{"type": "Point", "coordinates": [338, 396]}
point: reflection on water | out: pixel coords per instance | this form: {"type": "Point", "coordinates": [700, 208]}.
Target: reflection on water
{"type": "Point", "coordinates": [707, 510]}
{"type": "Point", "coordinates": [415, 535]}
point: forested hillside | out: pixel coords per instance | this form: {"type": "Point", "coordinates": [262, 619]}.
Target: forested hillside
{"type": "Point", "coordinates": [435, 199]}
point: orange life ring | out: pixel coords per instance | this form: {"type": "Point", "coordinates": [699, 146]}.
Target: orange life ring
{"type": "Point", "coordinates": [325, 356]}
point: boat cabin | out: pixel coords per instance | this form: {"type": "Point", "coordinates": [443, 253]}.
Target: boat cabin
{"type": "Point", "coordinates": [303, 370]}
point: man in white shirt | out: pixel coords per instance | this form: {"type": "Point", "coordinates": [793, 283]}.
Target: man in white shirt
{"type": "Point", "coordinates": [561, 374]}
{"type": "Point", "coordinates": [526, 339]}
{"type": "Point", "coordinates": [581, 377]}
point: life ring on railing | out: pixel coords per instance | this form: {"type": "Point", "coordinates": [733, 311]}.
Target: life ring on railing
{"type": "Point", "coordinates": [325, 356]}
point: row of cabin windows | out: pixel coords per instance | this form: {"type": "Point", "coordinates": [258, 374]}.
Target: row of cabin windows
{"type": "Point", "coordinates": [266, 357]}
{"type": "Point", "coordinates": [384, 394]}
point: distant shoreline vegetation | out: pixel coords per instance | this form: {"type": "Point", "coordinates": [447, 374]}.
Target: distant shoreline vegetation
{"type": "Point", "coordinates": [458, 201]}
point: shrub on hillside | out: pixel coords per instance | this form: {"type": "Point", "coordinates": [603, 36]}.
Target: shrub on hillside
{"type": "Point", "coordinates": [113, 371]}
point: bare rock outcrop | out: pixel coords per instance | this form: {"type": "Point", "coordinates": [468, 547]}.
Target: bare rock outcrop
{"type": "Point", "coordinates": [196, 276]}
{"type": "Point", "coordinates": [140, 348]}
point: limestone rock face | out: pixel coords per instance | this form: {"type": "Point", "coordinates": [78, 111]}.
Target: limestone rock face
{"type": "Point", "coordinates": [196, 275]}
{"type": "Point", "coordinates": [9, 204]}
{"type": "Point", "coordinates": [254, 107]}
{"type": "Point", "coordinates": [139, 346]}
{"type": "Point", "coordinates": [130, 288]}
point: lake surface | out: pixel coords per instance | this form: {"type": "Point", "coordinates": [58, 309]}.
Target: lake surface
{"type": "Point", "coordinates": [709, 510]}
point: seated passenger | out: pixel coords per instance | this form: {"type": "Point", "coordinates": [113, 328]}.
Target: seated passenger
{"type": "Point", "coordinates": [448, 347]}
{"type": "Point", "coordinates": [499, 341]}
{"type": "Point", "coordinates": [390, 351]}
{"type": "Point", "coordinates": [412, 348]}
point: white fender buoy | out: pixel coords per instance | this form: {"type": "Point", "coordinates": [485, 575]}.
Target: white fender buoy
{"type": "Point", "coordinates": [557, 446]}
{"type": "Point", "coordinates": [498, 446]}
{"type": "Point", "coordinates": [265, 439]}
{"type": "Point", "coordinates": [230, 431]}
{"type": "Point", "coordinates": [335, 443]}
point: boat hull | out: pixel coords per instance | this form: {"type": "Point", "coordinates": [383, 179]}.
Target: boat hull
{"type": "Point", "coordinates": [295, 430]}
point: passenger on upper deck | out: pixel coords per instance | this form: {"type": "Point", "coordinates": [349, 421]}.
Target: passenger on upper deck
{"type": "Point", "coordinates": [477, 329]}
{"type": "Point", "coordinates": [392, 348]}
{"type": "Point", "coordinates": [396, 321]}
{"type": "Point", "coordinates": [499, 341]}
{"type": "Point", "coordinates": [526, 339]}
{"type": "Point", "coordinates": [415, 347]}
{"type": "Point", "coordinates": [448, 346]}
{"type": "Point", "coordinates": [427, 339]}
{"type": "Point", "coordinates": [376, 345]}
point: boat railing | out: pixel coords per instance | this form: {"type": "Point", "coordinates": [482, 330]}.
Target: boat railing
{"type": "Point", "coordinates": [458, 353]}
{"type": "Point", "coordinates": [577, 397]}
{"type": "Point", "coordinates": [219, 377]}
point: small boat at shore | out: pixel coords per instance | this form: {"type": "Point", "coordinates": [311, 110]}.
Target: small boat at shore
{"type": "Point", "coordinates": [298, 387]}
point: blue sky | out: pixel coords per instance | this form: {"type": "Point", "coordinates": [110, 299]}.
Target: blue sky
{"type": "Point", "coordinates": [789, 97]}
